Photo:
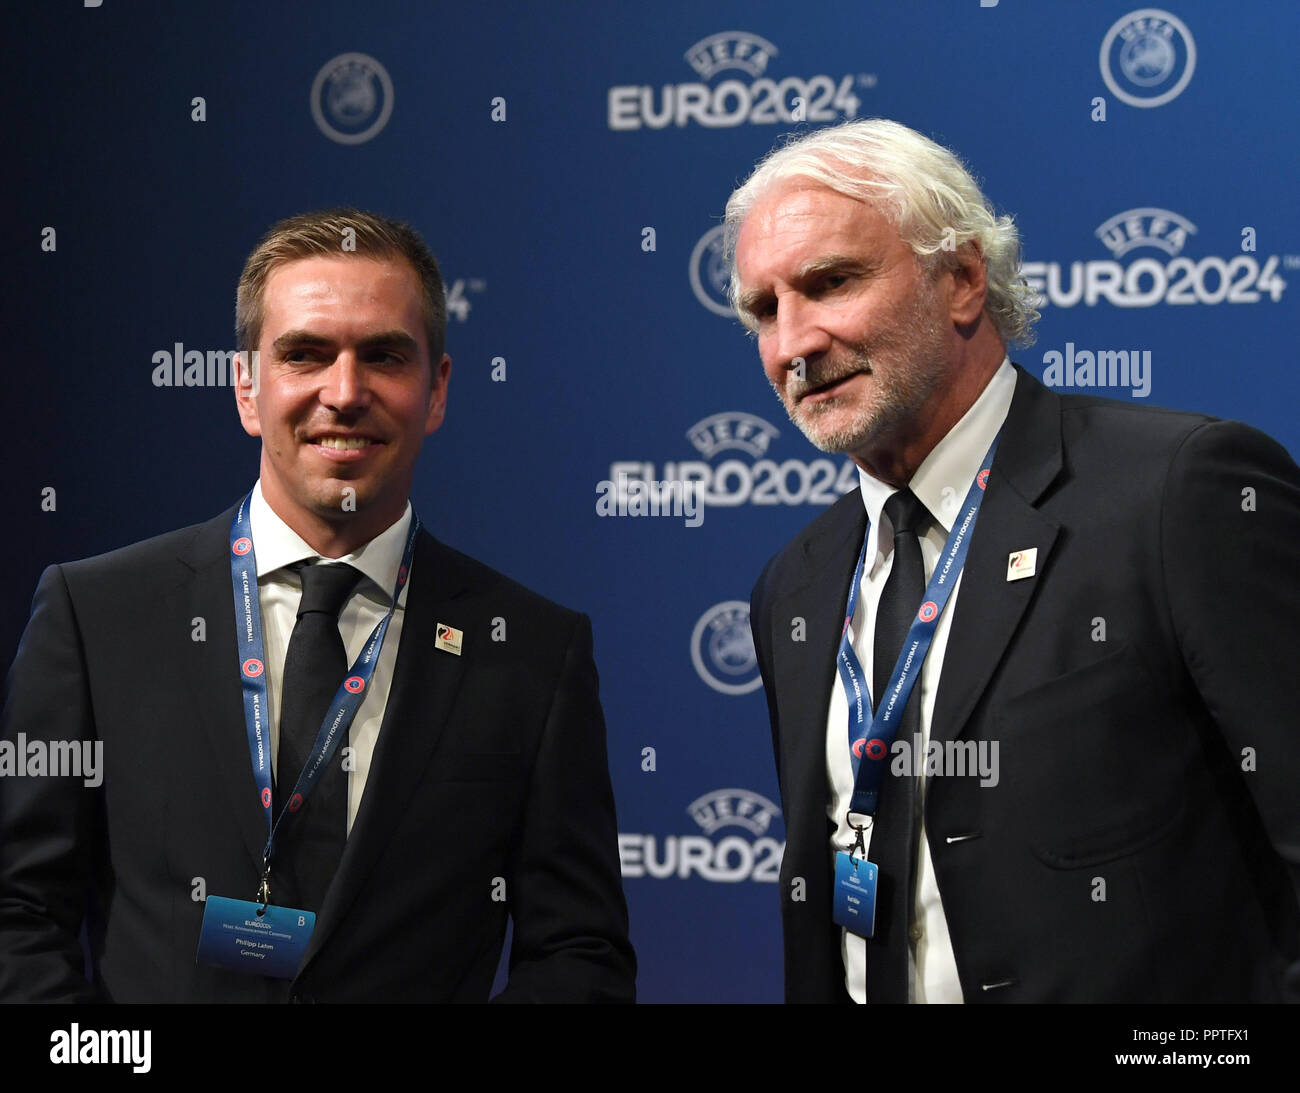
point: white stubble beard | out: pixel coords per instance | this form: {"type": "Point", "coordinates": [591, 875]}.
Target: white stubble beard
{"type": "Point", "coordinates": [913, 367]}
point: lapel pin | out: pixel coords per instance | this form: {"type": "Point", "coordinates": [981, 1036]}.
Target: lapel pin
{"type": "Point", "coordinates": [448, 639]}
{"type": "Point", "coordinates": [1020, 563]}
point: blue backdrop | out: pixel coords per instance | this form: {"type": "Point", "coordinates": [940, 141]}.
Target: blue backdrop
{"type": "Point", "coordinates": [569, 164]}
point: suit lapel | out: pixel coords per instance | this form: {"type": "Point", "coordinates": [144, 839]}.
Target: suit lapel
{"type": "Point", "coordinates": [988, 606]}
{"type": "Point", "coordinates": [213, 678]}
{"type": "Point", "coordinates": [425, 683]}
{"type": "Point", "coordinates": [805, 670]}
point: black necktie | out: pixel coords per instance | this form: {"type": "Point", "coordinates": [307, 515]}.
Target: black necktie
{"type": "Point", "coordinates": [310, 841]}
{"type": "Point", "coordinates": [894, 829]}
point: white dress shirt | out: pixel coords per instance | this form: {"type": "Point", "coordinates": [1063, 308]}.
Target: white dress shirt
{"type": "Point", "coordinates": [277, 547]}
{"type": "Point", "coordinates": [941, 483]}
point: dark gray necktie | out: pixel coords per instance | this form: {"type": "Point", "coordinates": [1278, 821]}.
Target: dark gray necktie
{"type": "Point", "coordinates": [894, 831]}
{"type": "Point", "coordinates": [310, 841]}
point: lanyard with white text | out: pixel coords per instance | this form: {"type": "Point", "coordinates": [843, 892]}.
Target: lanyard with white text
{"type": "Point", "coordinates": [869, 744]}
{"type": "Point", "coordinates": [252, 672]}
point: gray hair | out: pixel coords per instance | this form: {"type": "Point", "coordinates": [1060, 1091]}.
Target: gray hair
{"type": "Point", "coordinates": [921, 187]}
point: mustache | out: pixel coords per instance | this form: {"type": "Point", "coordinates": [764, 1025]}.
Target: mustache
{"type": "Point", "coordinates": [823, 373]}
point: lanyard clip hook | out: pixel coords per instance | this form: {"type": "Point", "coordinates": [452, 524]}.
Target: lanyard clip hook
{"type": "Point", "coordinates": [858, 829]}
{"type": "Point", "coordinates": [264, 888]}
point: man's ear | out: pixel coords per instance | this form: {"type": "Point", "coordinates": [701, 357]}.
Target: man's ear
{"type": "Point", "coordinates": [248, 378]}
{"type": "Point", "coordinates": [438, 395]}
{"type": "Point", "coordinates": [969, 284]}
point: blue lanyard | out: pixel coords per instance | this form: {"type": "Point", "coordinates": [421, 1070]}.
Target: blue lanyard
{"type": "Point", "coordinates": [252, 673]}
{"type": "Point", "coordinates": [870, 737]}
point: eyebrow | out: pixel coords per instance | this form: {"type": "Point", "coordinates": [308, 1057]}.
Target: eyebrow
{"type": "Point", "coordinates": [834, 262]}
{"type": "Point", "coordinates": [748, 301]}
{"type": "Point", "coordinates": [388, 339]}
{"type": "Point", "coordinates": [826, 264]}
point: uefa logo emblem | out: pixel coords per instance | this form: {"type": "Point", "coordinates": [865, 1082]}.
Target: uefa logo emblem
{"type": "Point", "coordinates": [266, 796]}
{"type": "Point", "coordinates": [710, 274]}
{"type": "Point", "coordinates": [242, 546]}
{"type": "Point", "coordinates": [354, 684]}
{"type": "Point", "coordinates": [722, 649]}
{"type": "Point", "coordinates": [1148, 57]}
{"type": "Point", "coordinates": [873, 748]}
{"type": "Point", "coordinates": [351, 98]}
{"type": "Point", "coordinates": [252, 667]}
{"type": "Point", "coordinates": [928, 611]}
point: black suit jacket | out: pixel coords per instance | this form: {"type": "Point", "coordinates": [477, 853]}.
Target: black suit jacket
{"type": "Point", "coordinates": [490, 767]}
{"type": "Point", "coordinates": [1128, 683]}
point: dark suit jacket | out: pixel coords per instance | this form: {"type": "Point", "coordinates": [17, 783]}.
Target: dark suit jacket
{"type": "Point", "coordinates": [1120, 759]}
{"type": "Point", "coordinates": [488, 765]}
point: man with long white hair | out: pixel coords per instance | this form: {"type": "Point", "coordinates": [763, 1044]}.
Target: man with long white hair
{"type": "Point", "coordinates": [1029, 686]}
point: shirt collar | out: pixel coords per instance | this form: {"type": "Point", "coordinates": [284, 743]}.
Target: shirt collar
{"type": "Point", "coordinates": [944, 476]}
{"type": "Point", "coordinates": [277, 545]}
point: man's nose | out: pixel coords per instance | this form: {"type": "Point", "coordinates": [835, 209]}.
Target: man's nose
{"type": "Point", "coordinates": [799, 333]}
{"type": "Point", "coordinates": [346, 387]}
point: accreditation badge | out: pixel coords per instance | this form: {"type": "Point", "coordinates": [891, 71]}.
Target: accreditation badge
{"type": "Point", "coordinates": [854, 900]}
{"type": "Point", "coordinates": [247, 936]}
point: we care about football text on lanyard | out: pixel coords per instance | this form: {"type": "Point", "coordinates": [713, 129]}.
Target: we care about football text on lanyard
{"type": "Point", "coordinates": [257, 936]}
{"type": "Point", "coordinates": [870, 738]}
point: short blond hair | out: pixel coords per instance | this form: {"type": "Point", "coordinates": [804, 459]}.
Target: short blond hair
{"type": "Point", "coordinates": [322, 234]}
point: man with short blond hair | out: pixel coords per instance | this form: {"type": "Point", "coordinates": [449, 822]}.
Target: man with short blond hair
{"type": "Point", "coordinates": [342, 791]}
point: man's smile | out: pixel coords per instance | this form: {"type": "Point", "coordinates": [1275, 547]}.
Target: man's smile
{"type": "Point", "coordinates": [821, 389]}
{"type": "Point", "coordinates": [342, 447]}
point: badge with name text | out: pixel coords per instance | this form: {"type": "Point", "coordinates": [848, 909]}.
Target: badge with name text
{"type": "Point", "coordinates": [854, 902]}
{"type": "Point", "coordinates": [242, 936]}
